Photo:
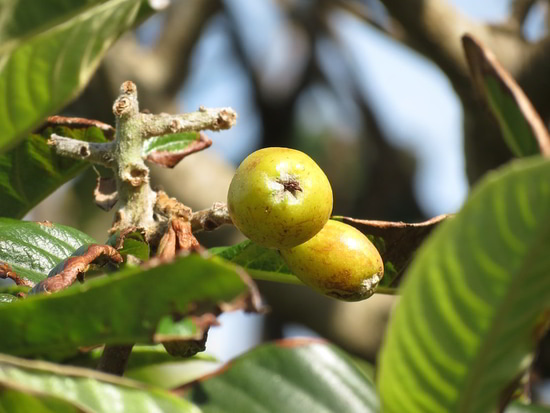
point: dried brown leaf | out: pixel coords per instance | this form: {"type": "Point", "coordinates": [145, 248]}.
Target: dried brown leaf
{"type": "Point", "coordinates": [171, 207]}
{"type": "Point", "coordinates": [186, 241]}
{"type": "Point", "coordinates": [7, 272]}
{"type": "Point", "coordinates": [401, 239]}
{"type": "Point", "coordinates": [78, 123]}
{"type": "Point", "coordinates": [105, 193]}
{"type": "Point", "coordinates": [74, 268]}
{"type": "Point", "coordinates": [167, 245]}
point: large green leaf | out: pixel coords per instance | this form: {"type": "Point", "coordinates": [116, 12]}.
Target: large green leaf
{"type": "Point", "coordinates": [32, 170]}
{"type": "Point", "coordinates": [32, 249]}
{"type": "Point", "coordinates": [46, 70]}
{"type": "Point", "coordinates": [296, 375]}
{"type": "Point", "coordinates": [473, 298]}
{"type": "Point", "coordinates": [123, 308]}
{"type": "Point", "coordinates": [83, 389]}
{"type": "Point", "coordinates": [21, 19]}
{"type": "Point", "coordinates": [517, 407]}
{"type": "Point", "coordinates": [14, 400]}
{"type": "Point", "coordinates": [522, 128]}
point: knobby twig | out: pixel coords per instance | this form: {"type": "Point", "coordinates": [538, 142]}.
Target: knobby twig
{"type": "Point", "coordinates": [210, 219]}
{"type": "Point", "coordinates": [203, 119]}
{"type": "Point", "coordinates": [125, 154]}
{"type": "Point", "coordinates": [97, 153]}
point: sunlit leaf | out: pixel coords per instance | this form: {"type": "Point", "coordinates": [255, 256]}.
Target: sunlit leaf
{"type": "Point", "coordinates": [32, 249]}
{"type": "Point", "coordinates": [473, 299]}
{"type": "Point", "coordinates": [521, 126]}
{"type": "Point", "coordinates": [125, 307]}
{"type": "Point", "coordinates": [48, 68]}
{"type": "Point", "coordinates": [48, 387]}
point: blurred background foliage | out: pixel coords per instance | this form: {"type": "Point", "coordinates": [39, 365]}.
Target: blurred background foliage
{"type": "Point", "coordinates": [376, 91]}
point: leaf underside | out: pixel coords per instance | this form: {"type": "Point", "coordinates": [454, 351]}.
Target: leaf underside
{"type": "Point", "coordinates": [522, 128]}
{"type": "Point", "coordinates": [46, 387]}
{"type": "Point", "coordinates": [473, 299]}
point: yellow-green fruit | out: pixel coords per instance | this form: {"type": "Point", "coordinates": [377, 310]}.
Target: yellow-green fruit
{"type": "Point", "coordinates": [339, 261]}
{"type": "Point", "coordinates": [279, 198]}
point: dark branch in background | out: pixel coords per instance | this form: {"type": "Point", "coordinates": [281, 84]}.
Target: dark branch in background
{"type": "Point", "coordinates": [391, 29]}
{"type": "Point", "coordinates": [181, 31]}
{"type": "Point", "coordinates": [519, 9]}
{"type": "Point", "coordinates": [434, 27]}
{"type": "Point", "coordinates": [159, 71]}
{"type": "Point", "coordinates": [277, 114]}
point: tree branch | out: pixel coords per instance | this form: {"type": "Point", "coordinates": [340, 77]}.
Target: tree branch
{"type": "Point", "coordinates": [98, 153]}
{"type": "Point", "coordinates": [203, 119]}
{"type": "Point", "coordinates": [519, 9]}
{"type": "Point", "coordinates": [393, 29]}
{"type": "Point", "coordinates": [210, 219]}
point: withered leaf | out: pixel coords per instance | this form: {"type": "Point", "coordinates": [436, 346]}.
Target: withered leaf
{"type": "Point", "coordinates": [71, 269]}
{"type": "Point", "coordinates": [105, 193]}
{"type": "Point", "coordinates": [78, 123]}
{"type": "Point", "coordinates": [7, 272]}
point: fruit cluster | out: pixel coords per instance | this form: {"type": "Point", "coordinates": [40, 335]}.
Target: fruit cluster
{"type": "Point", "coordinates": [280, 198]}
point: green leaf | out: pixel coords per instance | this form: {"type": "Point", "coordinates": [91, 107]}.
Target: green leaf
{"type": "Point", "coordinates": [522, 128]}
{"type": "Point", "coordinates": [13, 400]}
{"type": "Point", "coordinates": [472, 300]}
{"type": "Point", "coordinates": [32, 249]}
{"type": "Point", "coordinates": [287, 376]}
{"type": "Point", "coordinates": [7, 298]}
{"type": "Point", "coordinates": [32, 170]}
{"type": "Point", "coordinates": [49, 68]}
{"type": "Point", "coordinates": [133, 244]}
{"type": "Point", "coordinates": [261, 263]}
{"type": "Point", "coordinates": [88, 389]}
{"type": "Point", "coordinates": [168, 150]}
{"type": "Point", "coordinates": [141, 356]}
{"type": "Point", "coordinates": [122, 308]}
{"type": "Point", "coordinates": [517, 407]}
{"type": "Point", "coordinates": [21, 19]}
